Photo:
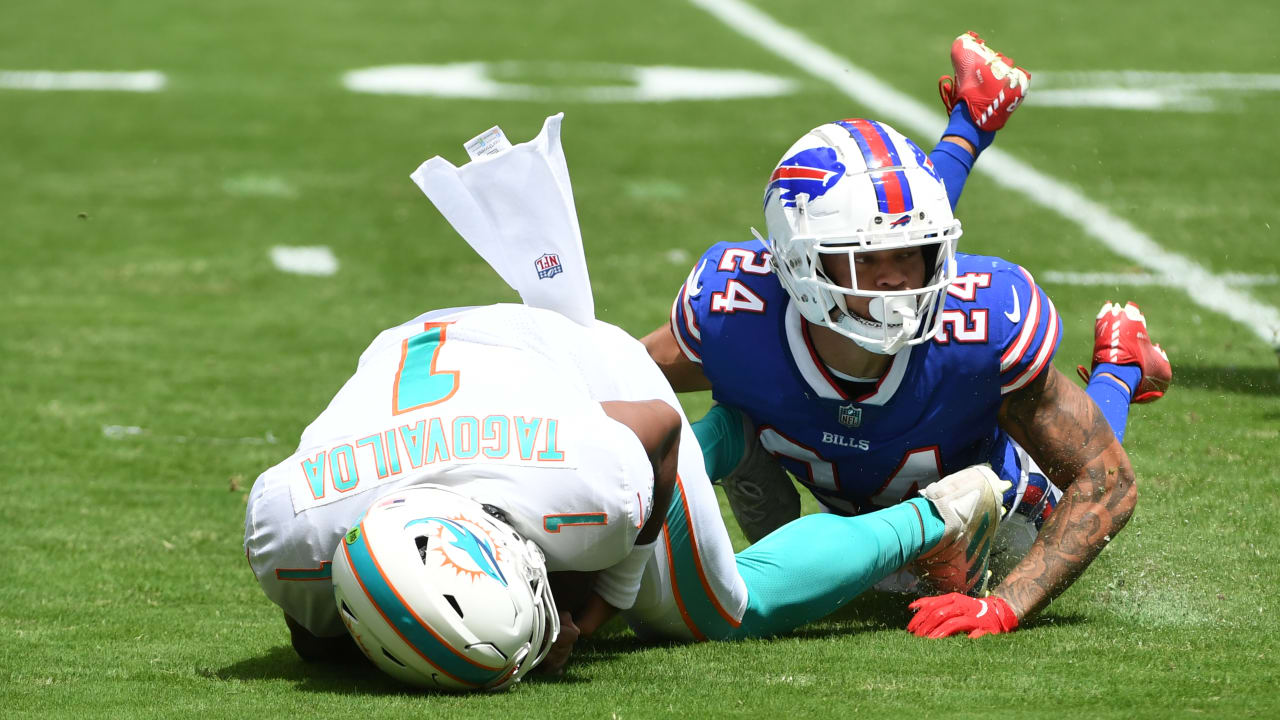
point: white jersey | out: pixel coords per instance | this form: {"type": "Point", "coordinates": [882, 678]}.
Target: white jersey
{"type": "Point", "coordinates": [501, 403]}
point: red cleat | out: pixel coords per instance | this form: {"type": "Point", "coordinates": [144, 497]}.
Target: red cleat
{"type": "Point", "coordinates": [1120, 337]}
{"type": "Point", "coordinates": [989, 83]}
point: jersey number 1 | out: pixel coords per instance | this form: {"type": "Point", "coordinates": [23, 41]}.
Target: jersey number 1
{"type": "Point", "coordinates": [418, 383]}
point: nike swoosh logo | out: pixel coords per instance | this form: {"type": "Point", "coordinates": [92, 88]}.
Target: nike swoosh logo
{"type": "Point", "coordinates": [692, 286]}
{"type": "Point", "coordinates": [1016, 315]}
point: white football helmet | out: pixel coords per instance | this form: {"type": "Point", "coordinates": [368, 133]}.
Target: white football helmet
{"type": "Point", "coordinates": [440, 593]}
{"type": "Point", "coordinates": [852, 186]}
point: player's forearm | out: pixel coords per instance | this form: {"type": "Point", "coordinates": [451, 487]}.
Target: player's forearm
{"type": "Point", "coordinates": [1093, 509]}
{"type": "Point", "coordinates": [664, 483]}
{"type": "Point", "coordinates": [683, 374]}
{"type": "Point", "coordinates": [587, 620]}
{"type": "Point", "coordinates": [1066, 434]}
{"type": "Point", "coordinates": [594, 614]}
{"type": "Point", "coordinates": [657, 425]}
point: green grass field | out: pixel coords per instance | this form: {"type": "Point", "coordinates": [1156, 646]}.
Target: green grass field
{"type": "Point", "coordinates": [138, 292]}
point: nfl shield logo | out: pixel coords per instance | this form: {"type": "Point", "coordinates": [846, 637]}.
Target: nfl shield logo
{"type": "Point", "coordinates": [548, 266]}
{"type": "Point", "coordinates": [850, 416]}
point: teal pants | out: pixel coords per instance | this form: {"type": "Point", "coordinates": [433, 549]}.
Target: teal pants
{"type": "Point", "coordinates": [812, 566]}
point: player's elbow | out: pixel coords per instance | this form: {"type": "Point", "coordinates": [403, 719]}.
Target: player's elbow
{"type": "Point", "coordinates": [683, 374]}
{"type": "Point", "coordinates": [666, 458]}
{"type": "Point", "coordinates": [1122, 491]}
{"type": "Point", "coordinates": [662, 348]}
{"type": "Point", "coordinates": [1126, 503]}
{"type": "Point", "coordinates": [670, 420]}
{"type": "Point", "coordinates": [1130, 502]}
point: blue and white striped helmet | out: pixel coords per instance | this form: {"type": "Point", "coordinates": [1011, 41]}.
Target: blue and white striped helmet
{"type": "Point", "coordinates": [860, 186]}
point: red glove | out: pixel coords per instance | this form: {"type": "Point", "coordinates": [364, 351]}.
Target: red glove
{"type": "Point", "coordinates": [942, 615]}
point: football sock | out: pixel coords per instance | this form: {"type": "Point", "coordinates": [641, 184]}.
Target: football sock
{"type": "Point", "coordinates": [953, 164]}
{"type": "Point", "coordinates": [719, 433]}
{"type": "Point", "coordinates": [1112, 397]}
{"type": "Point", "coordinates": [961, 124]}
{"type": "Point", "coordinates": [811, 566]}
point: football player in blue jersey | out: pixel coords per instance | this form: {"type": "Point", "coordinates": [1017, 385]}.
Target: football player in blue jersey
{"type": "Point", "coordinates": [857, 349]}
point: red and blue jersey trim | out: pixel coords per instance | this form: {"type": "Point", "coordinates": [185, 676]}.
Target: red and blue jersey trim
{"type": "Point", "coordinates": [684, 326]}
{"type": "Point", "coordinates": [1032, 349]}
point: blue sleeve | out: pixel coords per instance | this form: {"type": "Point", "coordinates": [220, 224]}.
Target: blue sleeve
{"type": "Point", "coordinates": [953, 164]}
{"type": "Point", "coordinates": [718, 288]}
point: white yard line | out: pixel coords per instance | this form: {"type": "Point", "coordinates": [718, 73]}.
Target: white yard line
{"type": "Point", "coordinates": [118, 432]}
{"type": "Point", "coordinates": [1060, 277]}
{"type": "Point", "coordinates": [259, 185]}
{"type": "Point", "coordinates": [145, 81]}
{"type": "Point", "coordinates": [904, 111]}
{"type": "Point", "coordinates": [658, 83]}
{"type": "Point", "coordinates": [1235, 82]}
{"type": "Point", "coordinates": [318, 260]}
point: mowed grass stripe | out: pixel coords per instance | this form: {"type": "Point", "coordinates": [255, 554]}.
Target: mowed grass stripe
{"type": "Point", "coordinates": [127, 594]}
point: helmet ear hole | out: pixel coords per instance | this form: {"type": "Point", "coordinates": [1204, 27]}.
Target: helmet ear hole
{"type": "Point", "coordinates": [453, 603]}
{"type": "Point", "coordinates": [346, 611]}
{"type": "Point", "coordinates": [392, 658]}
{"type": "Point", "coordinates": [421, 542]}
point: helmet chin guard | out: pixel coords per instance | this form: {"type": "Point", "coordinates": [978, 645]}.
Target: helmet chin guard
{"type": "Point", "coordinates": [857, 186]}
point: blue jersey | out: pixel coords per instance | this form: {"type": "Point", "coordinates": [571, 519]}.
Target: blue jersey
{"type": "Point", "coordinates": [858, 447]}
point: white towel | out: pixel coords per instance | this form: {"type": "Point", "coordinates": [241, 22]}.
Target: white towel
{"type": "Point", "coordinates": [515, 207]}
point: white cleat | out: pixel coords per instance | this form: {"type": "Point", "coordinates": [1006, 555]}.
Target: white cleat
{"type": "Point", "coordinates": [970, 503]}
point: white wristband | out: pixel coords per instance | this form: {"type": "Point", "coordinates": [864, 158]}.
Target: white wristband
{"type": "Point", "coordinates": [620, 583]}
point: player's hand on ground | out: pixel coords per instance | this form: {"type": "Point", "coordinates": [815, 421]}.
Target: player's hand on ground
{"type": "Point", "coordinates": [562, 648]}
{"type": "Point", "coordinates": [940, 616]}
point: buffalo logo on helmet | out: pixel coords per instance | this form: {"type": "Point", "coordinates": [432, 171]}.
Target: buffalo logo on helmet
{"type": "Point", "coordinates": [812, 172]}
{"type": "Point", "coordinates": [901, 222]}
{"type": "Point", "coordinates": [465, 546]}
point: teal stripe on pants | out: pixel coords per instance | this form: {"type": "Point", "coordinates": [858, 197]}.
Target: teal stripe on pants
{"type": "Point", "coordinates": [698, 605]}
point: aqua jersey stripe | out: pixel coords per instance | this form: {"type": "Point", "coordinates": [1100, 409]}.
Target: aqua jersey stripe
{"type": "Point", "coordinates": [553, 523]}
{"type": "Point", "coordinates": [399, 616]}
{"type": "Point", "coordinates": [701, 609]}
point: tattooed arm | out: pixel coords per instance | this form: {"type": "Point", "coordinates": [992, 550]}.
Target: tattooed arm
{"type": "Point", "coordinates": [1065, 433]}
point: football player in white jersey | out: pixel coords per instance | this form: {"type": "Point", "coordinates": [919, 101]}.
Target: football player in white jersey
{"type": "Point", "coordinates": [512, 407]}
